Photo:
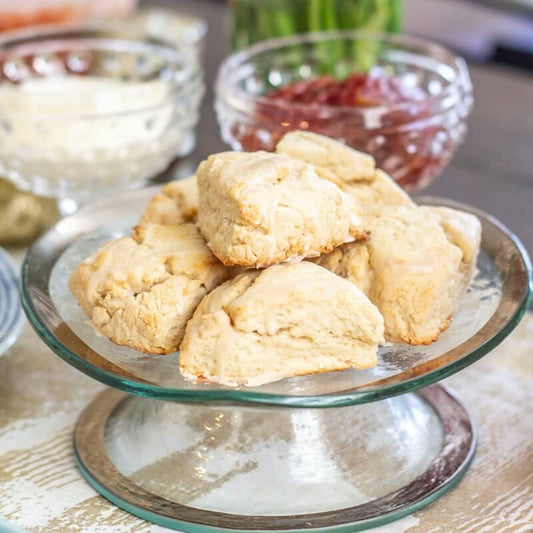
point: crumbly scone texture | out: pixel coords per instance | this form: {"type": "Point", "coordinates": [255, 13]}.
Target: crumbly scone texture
{"type": "Point", "coordinates": [414, 268]}
{"type": "Point", "coordinates": [259, 209]}
{"type": "Point", "coordinates": [354, 172]}
{"type": "Point", "coordinates": [177, 203]}
{"type": "Point", "coordinates": [332, 159]}
{"type": "Point", "coordinates": [140, 291]}
{"type": "Point", "coordinates": [351, 263]}
{"type": "Point", "coordinates": [284, 321]}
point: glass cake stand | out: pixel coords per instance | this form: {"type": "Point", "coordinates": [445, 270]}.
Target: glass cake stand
{"type": "Point", "coordinates": [203, 457]}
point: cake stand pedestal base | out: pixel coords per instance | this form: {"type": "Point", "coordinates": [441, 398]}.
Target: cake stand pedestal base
{"type": "Point", "coordinates": [206, 467]}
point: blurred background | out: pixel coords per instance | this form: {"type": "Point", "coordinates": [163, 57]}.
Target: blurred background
{"type": "Point", "coordinates": [490, 170]}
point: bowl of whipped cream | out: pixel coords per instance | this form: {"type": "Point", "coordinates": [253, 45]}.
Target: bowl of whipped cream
{"type": "Point", "coordinates": [84, 111]}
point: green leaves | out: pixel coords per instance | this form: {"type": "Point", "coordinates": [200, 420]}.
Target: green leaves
{"type": "Point", "coordinates": [257, 20]}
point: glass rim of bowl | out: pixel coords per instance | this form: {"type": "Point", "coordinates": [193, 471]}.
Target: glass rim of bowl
{"type": "Point", "coordinates": [195, 27]}
{"type": "Point", "coordinates": [228, 90]}
{"type": "Point", "coordinates": [22, 40]}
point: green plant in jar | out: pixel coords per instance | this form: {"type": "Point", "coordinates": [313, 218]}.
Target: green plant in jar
{"type": "Point", "coordinates": [258, 20]}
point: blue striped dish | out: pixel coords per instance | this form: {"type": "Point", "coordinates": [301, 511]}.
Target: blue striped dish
{"type": "Point", "coordinates": [11, 317]}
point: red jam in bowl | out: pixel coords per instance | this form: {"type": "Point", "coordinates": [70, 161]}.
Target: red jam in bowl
{"type": "Point", "coordinates": [377, 114]}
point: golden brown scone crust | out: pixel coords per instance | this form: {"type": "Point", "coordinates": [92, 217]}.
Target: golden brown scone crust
{"type": "Point", "coordinates": [177, 203]}
{"type": "Point", "coordinates": [412, 268]}
{"type": "Point", "coordinates": [416, 262]}
{"type": "Point", "coordinates": [139, 291]}
{"type": "Point", "coordinates": [284, 321]}
{"type": "Point", "coordinates": [259, 209]}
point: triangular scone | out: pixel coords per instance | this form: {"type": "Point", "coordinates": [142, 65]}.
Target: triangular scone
{"type": "Point", "coordinates": [287, 320]}
{"type": "Point", "coordinates": [355, 172]}
{"type": "Point", "coordinates": [177, 203]}
{"type": "Point", "coordinates": [412, 268]}
{"type": "Point", "coordinates": [140, 291]}
{"type": "Point", "coordinates": [332, 159]}
{"type": "Point", "coordinates": [259, 209]}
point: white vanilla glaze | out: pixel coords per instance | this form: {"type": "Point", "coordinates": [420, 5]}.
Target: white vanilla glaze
{"type": "Point", "coordinates": [331, 157]}
{"type": "Point", "coordinates": [269, 186]}
{"type": "Point", "coordinates": [266, 325]}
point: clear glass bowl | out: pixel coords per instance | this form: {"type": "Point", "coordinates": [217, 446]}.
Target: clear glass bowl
{"type": "Point", "coordinates": [412, 141]}
{"type": "Point", "coordinates": [490, 309]}
{"type": "Point", "coordinates": [83, 112]}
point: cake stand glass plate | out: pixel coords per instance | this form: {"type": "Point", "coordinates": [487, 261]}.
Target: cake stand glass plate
{"type": "Point", "coordinates": [11, 316]}
{"type": "Point", "coordinates": [263, 458]}
{"type": "Point", "coordinates": [492, 306]}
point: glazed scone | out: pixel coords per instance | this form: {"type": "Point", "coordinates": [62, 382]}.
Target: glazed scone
{"type": "Point", "coordinates": [140, 291]}
{"type": "Point", "coordinates": [354, 172]}
{"type": "Point", "coordinates": [259, 209]}
{"type": "Point", "coordinates": [287, 320]}
{"type": "Point", "coordinates": [462, 229]}
{"type": "Point", "coordinates": [411, 269]}
{"type": "Point", "coordinates": [177, 203]}
{"type": "Point", "coordinates": [382, 191]}
{"type": "Point", "coordinates": [332, 159]}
